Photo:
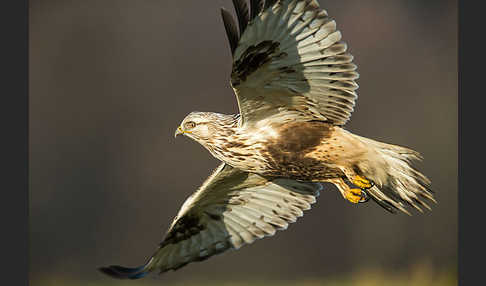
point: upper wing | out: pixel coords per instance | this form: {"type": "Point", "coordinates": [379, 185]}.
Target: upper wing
{"type": "Point", "coordinates": [232, 208]}
{"type": "Point", "coordinates": [290, 60]}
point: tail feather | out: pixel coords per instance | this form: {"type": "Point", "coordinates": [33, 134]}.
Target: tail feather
{"type": "Point", "coordinates": [398, 184]}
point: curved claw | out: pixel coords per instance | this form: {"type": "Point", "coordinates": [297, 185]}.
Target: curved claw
{"type": "Point", "coordinates": [364, 197]}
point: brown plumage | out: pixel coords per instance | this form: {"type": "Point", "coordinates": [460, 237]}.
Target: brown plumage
{"type": "Point", "coordinates": [295, 85]}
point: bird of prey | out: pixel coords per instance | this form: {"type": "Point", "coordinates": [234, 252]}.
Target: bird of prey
{"type": "Point", "coordinates": [295, 86]}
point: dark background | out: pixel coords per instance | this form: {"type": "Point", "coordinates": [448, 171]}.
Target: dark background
{"type": "Point", "coordinates": [111, 80]}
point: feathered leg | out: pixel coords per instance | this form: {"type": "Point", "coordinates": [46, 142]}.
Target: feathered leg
{"type": "Point", "coordinates": [396, 184]}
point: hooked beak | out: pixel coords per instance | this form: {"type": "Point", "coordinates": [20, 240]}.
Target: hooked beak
{"type": "Point", "coordinates": [178, 131]}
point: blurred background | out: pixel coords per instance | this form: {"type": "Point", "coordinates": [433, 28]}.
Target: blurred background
{"type": "Point", "coordinates": [111, 80]}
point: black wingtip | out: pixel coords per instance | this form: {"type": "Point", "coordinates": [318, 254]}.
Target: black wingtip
{"type": "Point", "coordinates": [120, 272]}
{"type": "Point", "coordinates": [231, 30]}
{"type": "Point", "coordinates": [241, 9]}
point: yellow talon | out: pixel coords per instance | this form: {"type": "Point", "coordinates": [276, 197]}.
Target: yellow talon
{"type": "Point", "coordinates": [362, 182]}
{"type": "Point", "coordinates": [354, 195]}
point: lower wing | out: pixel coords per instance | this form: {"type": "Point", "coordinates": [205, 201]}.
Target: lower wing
{"type": "Point", "coordinates": [232, 208]}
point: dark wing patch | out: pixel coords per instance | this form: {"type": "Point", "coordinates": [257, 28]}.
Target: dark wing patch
{"type": "Point", "coordinates": [184, 228]}
{"type": "Point", "coordinates": [253, 58]}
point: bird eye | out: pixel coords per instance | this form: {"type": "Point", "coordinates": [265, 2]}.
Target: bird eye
{"type": "Point", "coordinates": [189, 125]}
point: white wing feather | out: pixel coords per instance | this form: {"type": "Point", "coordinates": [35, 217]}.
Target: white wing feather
{"type": "Point", "coordinates": [290, 59]}
{"type": "Point", "coordinates": [231, 209]}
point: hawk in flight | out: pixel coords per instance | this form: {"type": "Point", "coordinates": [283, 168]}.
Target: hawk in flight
{"type": "Point", "coordinates": [295, 86]}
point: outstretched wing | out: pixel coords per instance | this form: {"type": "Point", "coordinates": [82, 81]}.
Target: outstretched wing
{"type": "Point", "coordinates": [289, 60]}
{"type": "Point", "coordinates": [231, 209]}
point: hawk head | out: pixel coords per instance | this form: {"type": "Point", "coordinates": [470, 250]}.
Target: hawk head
{"type": "Point", "coordinates": [202, 126]}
